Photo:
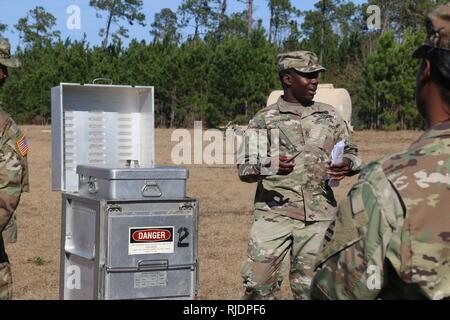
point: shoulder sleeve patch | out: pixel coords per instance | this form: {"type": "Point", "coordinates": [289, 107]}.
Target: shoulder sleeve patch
{"type": "Point", "coordinates": [22, 145]}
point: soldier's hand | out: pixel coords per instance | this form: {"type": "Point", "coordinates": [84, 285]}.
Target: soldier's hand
{"type": "Point", "coordinates": [340, 171]}
{"type": "Point", "coordinates": [284, 164]}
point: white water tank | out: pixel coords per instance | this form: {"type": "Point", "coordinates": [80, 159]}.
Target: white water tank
{"type": "Point", "coordinates": [339, 98]}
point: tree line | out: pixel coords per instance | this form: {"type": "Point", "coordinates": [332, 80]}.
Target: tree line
{"type": "Point", "coordinates": [225, 68]}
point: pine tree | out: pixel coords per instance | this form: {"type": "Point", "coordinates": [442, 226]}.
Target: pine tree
{"type": "Point", "coordinates": [37, 27]}
{"type": "Point", "coordinates": [117, 10]}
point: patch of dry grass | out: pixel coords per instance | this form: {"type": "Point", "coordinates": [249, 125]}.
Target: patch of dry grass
{"type": "Point", "coordinates": [225, 217]}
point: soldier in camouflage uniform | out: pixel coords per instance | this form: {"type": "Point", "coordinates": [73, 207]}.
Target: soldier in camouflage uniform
{"type": "Point", "coordinates": [293, 204]}
{"type": "Point", "coordinates": [391, 238]}
{"type": "Point", "coordinates": [13, 174]}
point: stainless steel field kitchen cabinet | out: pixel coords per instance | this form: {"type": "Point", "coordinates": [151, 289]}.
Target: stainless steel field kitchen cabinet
{"type": "Point", "coordinates": [128, 229]}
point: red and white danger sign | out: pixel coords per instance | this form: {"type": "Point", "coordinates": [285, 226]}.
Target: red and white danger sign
{"type": "Point", "coordinates": [151, 240]}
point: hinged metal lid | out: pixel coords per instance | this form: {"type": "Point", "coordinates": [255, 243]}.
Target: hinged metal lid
{"type": "Point", "coordinates": [114, 173]}
{"type": "Point", "coordinates": [105, 125]}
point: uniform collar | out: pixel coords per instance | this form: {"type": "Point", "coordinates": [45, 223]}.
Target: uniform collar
{"type": "Point", "coordinates": [298, 108]}
{"type": "Point", "coordinates": [3, 117]}
{"type": "Point", "coordinates": [438, 130]}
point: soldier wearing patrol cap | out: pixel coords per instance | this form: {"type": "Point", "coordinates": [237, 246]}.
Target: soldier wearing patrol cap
{"type": "Point", "coordinates": [293, 202]}
{"type": "Point", "coordinates": [13, 173]}
{"type": "Point", "coordinates": [391, 238]}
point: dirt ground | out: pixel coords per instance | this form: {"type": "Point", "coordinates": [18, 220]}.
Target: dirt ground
{"type": "Point", "coordinates": [224, 223]}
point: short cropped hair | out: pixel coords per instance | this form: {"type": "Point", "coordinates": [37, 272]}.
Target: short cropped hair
{"type": "Point", "coordinates": [440, 70]}
{"type": "Point", "coordinates": [282, 73]}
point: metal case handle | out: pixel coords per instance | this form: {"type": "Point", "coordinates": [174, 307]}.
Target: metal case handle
{"type": "Point", "coordinates": [102, 79]}
{"type": "Point", "coordinates": [153, 265]}
{"type": "Point", "coordinates": [151, 190]}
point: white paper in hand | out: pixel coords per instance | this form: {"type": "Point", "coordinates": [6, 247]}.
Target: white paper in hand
{"type": "Point", "coordinates": [337, 155]}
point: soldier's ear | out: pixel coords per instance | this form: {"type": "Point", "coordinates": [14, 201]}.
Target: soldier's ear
{"type": "Point", "coordinates": [426, 71]}
{"type": "Point", "coordinates": [287, 79]}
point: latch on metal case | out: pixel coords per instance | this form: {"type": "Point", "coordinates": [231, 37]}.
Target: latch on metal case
{"type": "Point", "coordinates": [92, 185]}
{"type": "Point", "coordinates": [114, 208]}
{"type": "Point", "coordinates": [132, 164]}
{"type": "Point", "coordinates": [186, 206]}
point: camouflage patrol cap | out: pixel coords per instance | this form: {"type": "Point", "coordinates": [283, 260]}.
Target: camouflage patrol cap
{"type": "Point", "coordinates": [5, 55]}
{"type": "Point", "coordinates": [302, 61]}
{"type": "Point", "coordinates": [438, 30]}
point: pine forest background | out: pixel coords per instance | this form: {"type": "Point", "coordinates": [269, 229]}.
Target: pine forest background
{"type": "Point", "coordinates": [226, 68]}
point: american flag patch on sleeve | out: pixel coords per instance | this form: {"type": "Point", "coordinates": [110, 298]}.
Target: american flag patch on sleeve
{"type": "Point", "coordinates": [22, 145]}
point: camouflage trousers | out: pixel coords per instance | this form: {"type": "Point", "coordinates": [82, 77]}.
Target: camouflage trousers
{"type": "Point", "coordinates": [5, 274]}
{"type": "Point", "coordinates": [276, 241]}
{"type": "Point", "coordinates": [9, 234]}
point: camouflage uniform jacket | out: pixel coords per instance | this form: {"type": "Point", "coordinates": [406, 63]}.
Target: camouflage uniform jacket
{"type": "Point", "coordinates": [313, 130]}
{"type": "Point", "coordinates": [13, 167]}
{"type": "Point", "coordinates": [391, 237]}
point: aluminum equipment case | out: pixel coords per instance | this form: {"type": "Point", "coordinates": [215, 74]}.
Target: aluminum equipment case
{"type": "Point", "coordinates": [126, 232]}
{"type": "Point", "coordinates": [136, 248]}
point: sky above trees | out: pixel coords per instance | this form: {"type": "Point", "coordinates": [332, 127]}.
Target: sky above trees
{"type": "Point", "coordinates": [213, 62]}
{"type": "Point", "coordinates": [13, 10]}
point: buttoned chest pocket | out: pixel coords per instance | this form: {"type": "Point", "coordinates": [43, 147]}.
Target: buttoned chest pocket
{"type": "Point", "coordinates": [319, 131]}
{"type": "Point", "coordinates": [289, 132]}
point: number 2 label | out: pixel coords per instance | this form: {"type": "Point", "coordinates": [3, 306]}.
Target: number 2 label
{"type": "Point", "coordinates": [183, 233]}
